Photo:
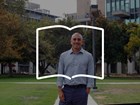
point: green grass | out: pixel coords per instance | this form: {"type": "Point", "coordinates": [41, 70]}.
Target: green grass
{"type": "Point", "coordinates": [32, 78]}
{"type": "Point", "coordinates": [27, 94]}
{"type": "Point", "coordinates": [43, 94]}
{"type": "Point", "coordinates": [24, 78]}
{"type": "Point", "coordinates": [117, 94]}
{"type": "Point", "coordinates": [120, 79]}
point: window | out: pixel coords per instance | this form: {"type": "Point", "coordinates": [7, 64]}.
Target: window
{"type": "Point", "coordinates": [108, 1]}
{"type": "Point", "coordinates": [126, 1]}
{"type": "Point", "coordinates": [132, 4]}
{"type": "Point", "coordinates": [108, 7]}
{"type": "Point", "coordinates": [113, 5]}
{"type": "Point", "coordinates": [132, 20]}
{"type": "Point", "coordinates": [117, 5]}
{"type": "Point", "coordinates": [122, 5]}
{"type": "Point", "coordinates": [137, 20]}
{"type": "Point", "coordinates": [127, 5]}
{"type": "Point", "coordinates": [137, 3]}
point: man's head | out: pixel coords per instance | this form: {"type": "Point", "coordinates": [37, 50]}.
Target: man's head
{"type": "Point", "coordinates": [76, 41]}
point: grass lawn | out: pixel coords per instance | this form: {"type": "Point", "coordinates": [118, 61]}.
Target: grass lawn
{"type": "Point", "coordinates": [45, 94]}
{"type": "Point", "coordinates": [27, 94]}
{"type": "Point", "coordinates": [24, 78]}
{"type": "Point", "coordinates": [32, 78]}
{"type": "Point", "coordinates": [120, 79]}
{"type": "Point", "coordinates": [116, 94]}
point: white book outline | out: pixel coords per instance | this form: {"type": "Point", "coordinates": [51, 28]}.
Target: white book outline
{"type": "Point", "coordinates": [61, 75]}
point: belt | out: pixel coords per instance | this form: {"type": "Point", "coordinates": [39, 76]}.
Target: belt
{"type": "Point", "coordinates": [76, 86]}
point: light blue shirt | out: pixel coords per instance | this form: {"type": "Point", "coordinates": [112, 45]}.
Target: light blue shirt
{"type": "Point", "coordinates": [72, 64]}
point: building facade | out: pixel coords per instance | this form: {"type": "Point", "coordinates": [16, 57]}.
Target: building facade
{"type": "Point", "coordinates": [38, 14]}
{"type": "Point", "coordinates": [31, 5]}
{"type": "Point", "coordinates": [127, 10]}
{"type": "Point", "coordinates": [101, 6]}
{"type": "Point", "coordinates": [82, 13]}
{"type": "Point", "coordinates": [33, 12]}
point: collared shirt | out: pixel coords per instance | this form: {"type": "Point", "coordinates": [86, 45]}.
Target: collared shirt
{"type": "Point", "coordinates": [75, 63]}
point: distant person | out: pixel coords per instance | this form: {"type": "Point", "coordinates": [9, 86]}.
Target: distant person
{"type": "Point", "coordinates": [72, 62]}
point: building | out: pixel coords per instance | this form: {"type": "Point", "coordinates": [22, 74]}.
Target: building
{"type": "Point", "coordinates": [30, 5]}
{"type": "Point", "coordinates": [83, 7]}
{"type": "Point", "coordinates": [39, 14]}
{"type": "Point", "coordinates": [33, 12]}
{"type": "Point", "coordinates": [82, 14]}
{"type": "Point", "coordinates": [124, 10]}
{"type": "Point", "coordinates": [101, 6]}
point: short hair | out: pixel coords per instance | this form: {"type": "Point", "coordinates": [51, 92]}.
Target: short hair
{"type": "Point", "coordinates": [77, 33]}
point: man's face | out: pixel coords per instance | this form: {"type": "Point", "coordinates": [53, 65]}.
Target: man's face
{"type": "Point", "coordinates": [76, 41]}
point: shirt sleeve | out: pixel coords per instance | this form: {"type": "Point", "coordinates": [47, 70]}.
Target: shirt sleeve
{"type": "Point", "coordinates": [60, 71]}
{"type": "Point", "coordinates": [90, 71]}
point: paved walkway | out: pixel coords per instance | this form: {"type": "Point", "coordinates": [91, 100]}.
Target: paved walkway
{"type": "Point", "coordinates": [90, 101]}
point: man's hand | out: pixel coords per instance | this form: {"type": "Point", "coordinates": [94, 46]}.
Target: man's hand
{"type": "Point", "coordinates": [61, 94]}
{"type": "Point", "coordinates": [88, 90]}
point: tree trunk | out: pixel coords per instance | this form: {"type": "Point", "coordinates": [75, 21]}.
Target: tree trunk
{"type": "Point", "coordinates": [43, 68]}
{"type": "Point", "coordinates": [108, 75]}
{"type": "Point", "coordinates": [136, 64]}
{"type": "Point", "coordinates": [139, 60]}
{"type": "Point", "coordinates": [10, 69]}
{"type": "Point", "coordinates": [2, 71]}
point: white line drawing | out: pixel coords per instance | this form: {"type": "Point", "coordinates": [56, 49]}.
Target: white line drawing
{"type": "Point", "coordinates": [68, 28]}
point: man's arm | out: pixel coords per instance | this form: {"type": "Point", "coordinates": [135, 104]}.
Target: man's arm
{"type": "Point", "coordinates": [60, 79]}
{"type": "Point", "coordinates": [60, 71]}
{"type": "Point", "coordinates": [60, 93]}
{"type": "Point", "coordinates": [90, 72]}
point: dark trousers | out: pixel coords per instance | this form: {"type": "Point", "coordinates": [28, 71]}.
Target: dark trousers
{"type": "Point", "coordinates": [74, 95]}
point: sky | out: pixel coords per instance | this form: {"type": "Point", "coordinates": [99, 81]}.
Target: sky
{"type": "Point", "coordinates": [58, 7]}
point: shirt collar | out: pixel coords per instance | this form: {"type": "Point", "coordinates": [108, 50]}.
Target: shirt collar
{"type": "Point", "coordinates": [81, 51]}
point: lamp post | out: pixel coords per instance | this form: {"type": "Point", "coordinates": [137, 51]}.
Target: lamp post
{"type": "Point", "coordinates": [92, 11]}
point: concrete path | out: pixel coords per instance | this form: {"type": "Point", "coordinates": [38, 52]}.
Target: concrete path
{"type": "Point", "coordinates": [90, 101]}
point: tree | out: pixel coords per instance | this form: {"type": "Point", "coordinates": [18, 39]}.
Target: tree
{"type": "Point", "coordinates": [46, 53]}
{"type": "Point", "coordinates": [10, 52]}
{"type": "Point", "coordinates": [10, 27]}
{"type": "Point", "coordinates": [21, 31]}
{"type": "Point", "coordinates": [15, 6]}
{"type": "Point", "coordinates": [97, 35]}
{"type": "Point", "coordinates": [46, 49]}
{"type": "Point", "coordinates": [115, 38]}
{"type": "Point", "coordinates": [133, 46]}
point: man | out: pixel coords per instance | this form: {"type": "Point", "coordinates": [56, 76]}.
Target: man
{"type": "Point", "coordinates": [72, 62]}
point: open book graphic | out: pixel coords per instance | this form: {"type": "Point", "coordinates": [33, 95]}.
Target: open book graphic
{"type": "Point", "coordinates": [61, 75]}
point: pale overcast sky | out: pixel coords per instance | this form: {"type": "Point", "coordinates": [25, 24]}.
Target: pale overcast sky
{"type": "Point", "coordinates": [58, 7]}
